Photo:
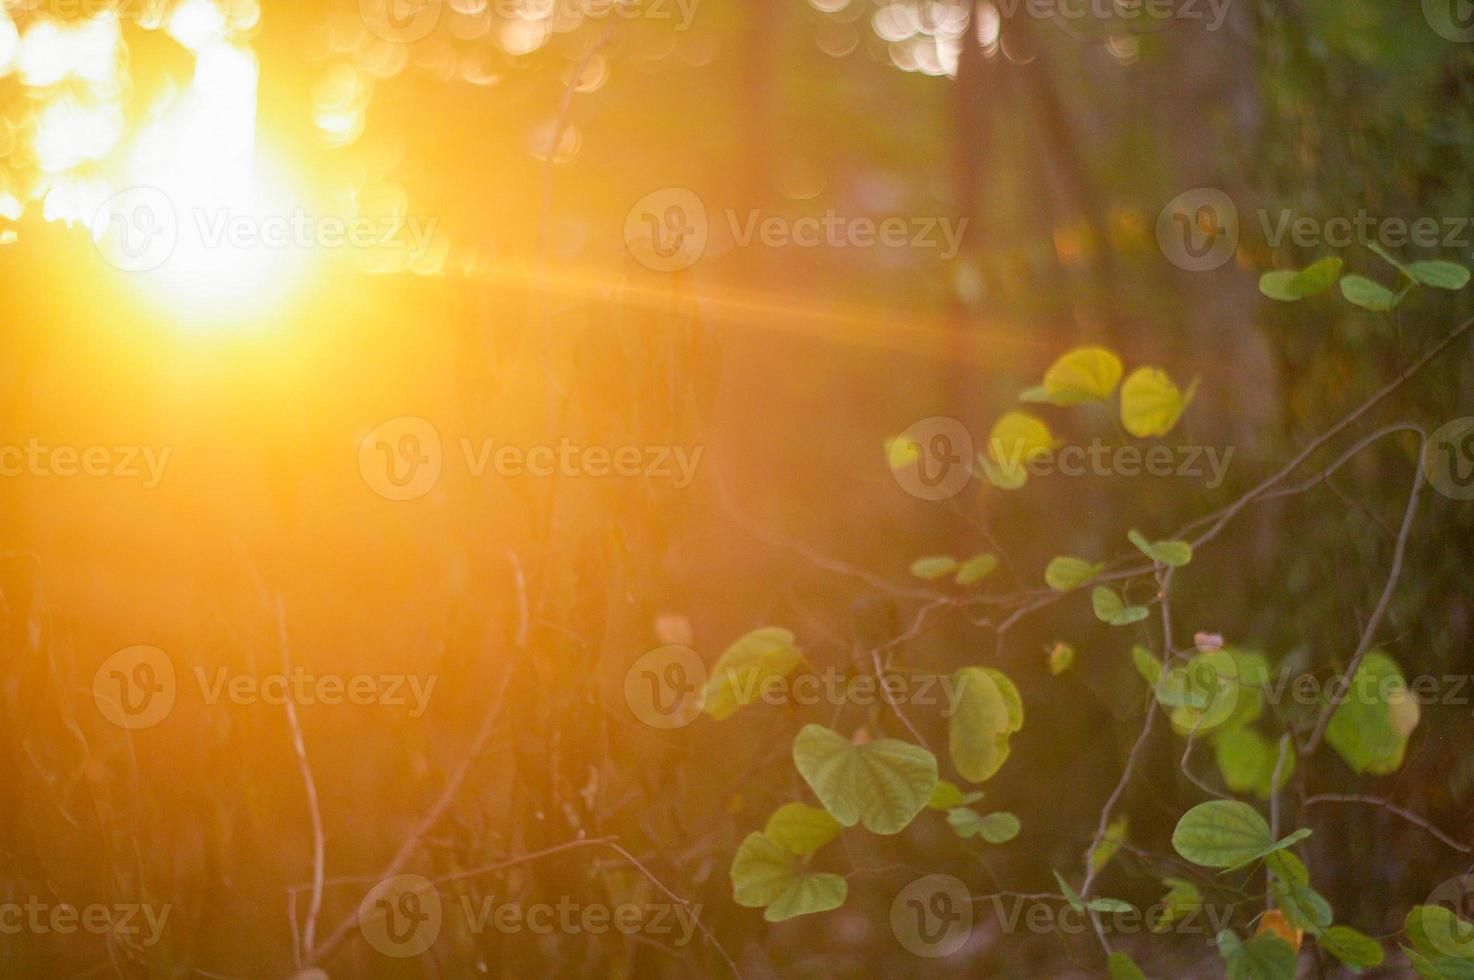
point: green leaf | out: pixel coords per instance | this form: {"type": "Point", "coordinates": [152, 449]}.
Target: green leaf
{"type": "Point", "coordinates": [1227, 834]}
{"type": "Point", "coordinates": [1264, 957]}
{"type": "Point", "coordinates": [995, 828]}
{"type": "Point", "coordinates": [975, 569]}
{"type": "Point", "coordinates": [1370, 728]}
{"type": "Point", "coordinates": [1439, 967]}
{"type": "Point", "coordinates": [765, 875]}
{"type": "Point", "coordinates": [1146, 664]}
{"type": "Point", "coordinates": [1061, 656]}
{"type": "Point", "coordinates": [1109, 608]}
{"type": "Point", "coordinates": [1303, 906]}
{"type": "Point", "coordinates": [1281, 285]}
{"type": "Point", "coordinates": [1110, 843]}
{"type": "Point", "coordinates": [934, 566]}
{"type": "Point", "coordinates": [1174, 553]}
{"type": "Point", "coordinates": [1439, 275]}
{"type": "Point", "coordinates": [882, 784]}
{"type": "Point", "coordinates": [1122, 967]}
{"type": "Point", "coordinates": [739, 675]}
{"type": "Point", "coordinates": [800, 828]}
{"type": "Point", "coordinates": [989, 709]}
{"type": "Point", "coordinates": [1182, 899]}
{"type": "Point", "coordinates": [1016, 438]}
{"type": "Point", "coordinates": [1437, 932]}
{"type": "Point", "coordinates": [1211, 691]}
{"type": "Point", "coordinates": [1151, 402]}
{"type": "Point", "coordinates": [1354, 949]}
{"type": "Point", "coordinates": [947, 795]}
{"type": "Point", "coordinates": [1072, 897]}
{"type": "Point", "coordinates": [1361, 291]}
{"type": "Point", "coordinates": [1247, 759]}
{"type": "Point", "coordinates": [1291, 285]}
{"type": "Point", "coordinates": [1086, 374]}
{"type": "Point", "coordinates": [1285, 865]}
{"type": "Point", "coordinates": [1065, 572]}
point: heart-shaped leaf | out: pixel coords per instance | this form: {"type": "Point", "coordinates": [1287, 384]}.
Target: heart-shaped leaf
{"type": "Point", "coordinates": [1174, 553]}
{"type": "Point", "coordinates": [765, 875]}
{"type": "Point", "coordinates": [1291, 285]}
{"type": "Point", "coordinates": [882, 784]}
{"type": "Point", "coordinates": [1110, 608]}
{"type": "Point", "coordinates": [1370, 728]}
{"type": "Point", "coordinates": [995, 828]}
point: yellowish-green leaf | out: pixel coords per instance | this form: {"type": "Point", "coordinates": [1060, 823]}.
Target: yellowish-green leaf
{"type": "Point", "coordinates": [1067, 572]}
{"type": "Point", "coordinates": [1110, 608]}
{"type": "Point", "coordinates": [1083, 375]}
{"type": "Point", "coordinates": [1151, 402]}
{"type": "Point", "coordinates": [947, 796]}
{"type": "Point", "coordinates": [740, 673]}
{"type": "Point", "coordinates": [934, 566]}
{"type": "Point", "coordinates": [1357, 950]}
{"type": "Point", "coordinates": [1018, 437]}
{"type": "Point", "coordinates": [1115, 836]}
{"type": "Point", "coordinates": [766, 875]}
{"type": "Point", "coordinates": [801, 828]}
{"type": "Point", "coordinates": [901, 452]}
{"type": "Point", "coordinates": [988, 711]}
{"type": "Point", "coordinates": [1122, 967]}
{"type": "Point", "coordinates": [881, 784]}
{"type": "Point", "coordinates": [1174, 553]}
{"type": "Point", "coordinates": [1370, 728]}
{"type": "Point", "coordinates": [975, 569]}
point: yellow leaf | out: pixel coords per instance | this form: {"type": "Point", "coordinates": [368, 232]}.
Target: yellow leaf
{"type": "Point", "coordinates": [1084, 375]}
{"type": "Point", "coordinates": [1151, 402]}
{"type": "Point", "coordinates": [1016, 438]}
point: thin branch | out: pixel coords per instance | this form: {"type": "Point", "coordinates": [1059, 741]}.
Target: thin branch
{"type": "Point", "coordinates": [1390, 807]}
{"type": "Point", "coordinates": [314, 809]}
